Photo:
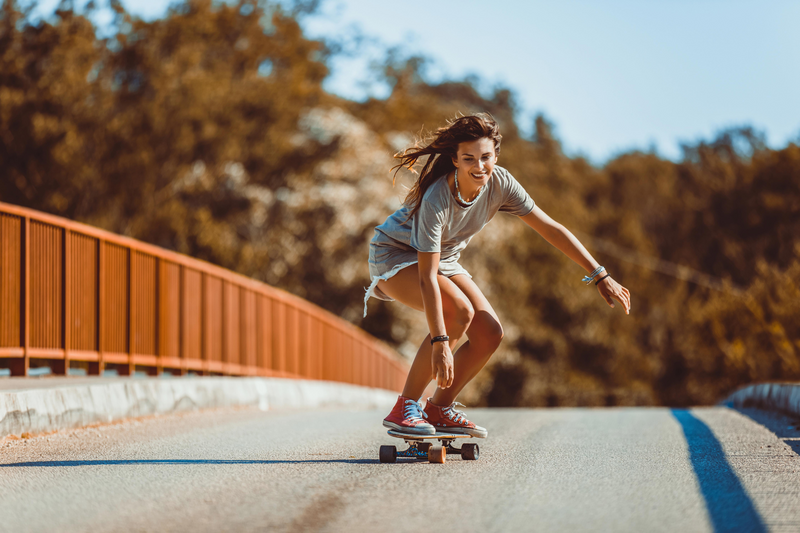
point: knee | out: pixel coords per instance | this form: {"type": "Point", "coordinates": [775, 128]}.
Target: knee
{"type": "Point", "coordinates": [459, 314]}
{"type": "Point", "coordinates": [486, 331]}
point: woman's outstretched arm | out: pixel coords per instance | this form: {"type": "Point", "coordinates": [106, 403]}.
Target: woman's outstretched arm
{"type": "Point", "coordinates": [564, 240]}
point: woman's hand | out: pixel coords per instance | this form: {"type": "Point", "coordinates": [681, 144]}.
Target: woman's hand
{"type": "Point", "coordinates": [610, 290]}
{"type": "Point", "coordinates": [442, 364]}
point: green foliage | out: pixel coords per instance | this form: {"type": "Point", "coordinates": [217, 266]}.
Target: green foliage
{"type": "Point", "coordinates": [208, 132]}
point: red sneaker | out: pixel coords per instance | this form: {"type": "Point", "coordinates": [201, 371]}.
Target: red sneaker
{"type": "Point", "coordinates": [408, 417]}
{"type": "Point", "coordinates": [448, 420]}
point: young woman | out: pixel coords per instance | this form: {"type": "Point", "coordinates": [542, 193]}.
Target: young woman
{"type": "Point", "coordinates": [413, 258]}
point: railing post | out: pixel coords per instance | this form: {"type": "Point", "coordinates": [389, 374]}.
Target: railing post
{"type": "Point", "coordinates": [157, 331]}
{"type": "Point", "coordinates": [241, 332]}
{"type": "Point", "coordinates": [96, 368]}
{"type": "Point", "coordinates": [204, 348]}
{"type": "Point", "coordinates": [131, 365]}
{"type": "Point", "coordinates": [101, 305]}
{"type": "Point", "coordinates": [67, 294]}
{"type": "Point", "coordinates": [181, 327]}
{"type": "Point", "coordinates": [279, 336]}
{"type": "Point", "coordinates": [21, 368]}
{"type": "Point", "coordinates": [221, 325]}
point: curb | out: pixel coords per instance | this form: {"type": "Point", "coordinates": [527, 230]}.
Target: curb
{"type": "Point", "coordinates": [70, 406]}
{"type": "Point", "coordinates": [783, 397]}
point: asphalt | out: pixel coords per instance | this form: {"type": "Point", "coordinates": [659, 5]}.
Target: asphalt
{"type": "Point", "coordinates": [616, 469]}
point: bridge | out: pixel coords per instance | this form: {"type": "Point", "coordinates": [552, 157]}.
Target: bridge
{"type": "Point", "coordinates": [79, 301]}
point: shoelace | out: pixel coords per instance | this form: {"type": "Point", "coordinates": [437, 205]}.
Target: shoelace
{"type": "Point", "coordinates": [413, 411]}
{"type": "Point", "coordinates": [459, 417]}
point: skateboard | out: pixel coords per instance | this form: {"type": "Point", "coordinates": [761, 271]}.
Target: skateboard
{"type": "Point", "coordinates": [418, 448]}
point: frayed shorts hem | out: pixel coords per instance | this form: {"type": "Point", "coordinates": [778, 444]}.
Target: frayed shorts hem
{"type": "Point", "coordinates": [373, 289]}
{"type": "Point", "coordinates": [375, 292]}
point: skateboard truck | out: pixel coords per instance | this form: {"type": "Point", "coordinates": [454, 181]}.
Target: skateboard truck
{"type": "Point", "coordinates": [419, 449]}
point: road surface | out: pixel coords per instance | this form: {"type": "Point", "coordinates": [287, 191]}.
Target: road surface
{"type": "Point", "coordinates": [616, 469]}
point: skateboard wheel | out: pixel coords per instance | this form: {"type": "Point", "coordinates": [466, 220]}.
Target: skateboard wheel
{"type": "Point", "coordinates": [437, 454]}
{"type": "Point", "coordinates": [470, 452]}
{"type": "Point", "coordinates": [388, 454]}
{"type": "Point", "coordinates": [424, 447]}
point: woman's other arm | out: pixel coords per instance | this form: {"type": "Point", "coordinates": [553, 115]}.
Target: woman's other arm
{"type": "Point", "coordinates": [564, 240]}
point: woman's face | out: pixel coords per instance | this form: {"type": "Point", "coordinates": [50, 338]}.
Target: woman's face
{"type": "Point", "coordinates": [475, 161]}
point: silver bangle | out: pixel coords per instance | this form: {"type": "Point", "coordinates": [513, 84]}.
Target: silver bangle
{"type": "Point", "coordinates": [588, 279]}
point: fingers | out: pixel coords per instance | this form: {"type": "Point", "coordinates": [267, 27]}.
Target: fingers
{"type": "Point", "coordinates": [445, 377]}
{"type": "Point", "coordinates": [442, 368]}
{"type": "Point", "coordinates": [624, 297]}
{"type": "Point", "coordinates": [612, 290]}
{"type": "Point", "coordinates": [623, 300]}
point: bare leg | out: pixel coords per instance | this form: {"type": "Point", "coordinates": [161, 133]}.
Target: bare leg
{"type": "Point", "coordinates": [420, 374]}
{"type": "Point", "coordinates": [467, 311]}
{"type": "Point", "coordinates": [484, 333]}
{"type": "Point", "coordinates": [404, 287]}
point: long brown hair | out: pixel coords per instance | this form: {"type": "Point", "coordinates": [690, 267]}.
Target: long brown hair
{"type": "Point", "coordinates": [441, 149]}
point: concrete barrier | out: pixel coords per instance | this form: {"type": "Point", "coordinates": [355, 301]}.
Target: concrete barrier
{"type": "Point", "coordinates": [48, 408]}
{"type": "Point", "coordinates": [783, 397]}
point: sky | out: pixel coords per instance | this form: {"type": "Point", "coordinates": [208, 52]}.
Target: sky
{"type": "Point", "coordinates": [612, 75]}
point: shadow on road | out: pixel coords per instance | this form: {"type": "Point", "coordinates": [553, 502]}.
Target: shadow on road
{"type": "Point", "coordinates": [728, 504]}
{"type": "Point", "coordinates": [110, 462]}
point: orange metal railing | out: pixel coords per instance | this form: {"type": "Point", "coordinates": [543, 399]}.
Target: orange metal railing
{"type": "Point", "coordinates": [76, 296]}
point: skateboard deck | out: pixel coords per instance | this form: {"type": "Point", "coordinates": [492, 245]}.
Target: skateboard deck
{"type": "Point", "coordinates": [437, 436]}
{"type": "Point", "coordinates": [418, 448]}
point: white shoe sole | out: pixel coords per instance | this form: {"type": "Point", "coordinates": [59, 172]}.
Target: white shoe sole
{"type": "Point", "coordinates": [429, 430]}
{"type": "Point", "coordinates": [478, 433]}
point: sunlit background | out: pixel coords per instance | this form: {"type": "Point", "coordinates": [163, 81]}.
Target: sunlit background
{"type": "Point", "coordinates": [259, 137]}
{"type": "Point", "coordinates": [612, 76]}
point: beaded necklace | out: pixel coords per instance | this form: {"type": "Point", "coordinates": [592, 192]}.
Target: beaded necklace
{"type": "Point", "coordinates": [458, 193]}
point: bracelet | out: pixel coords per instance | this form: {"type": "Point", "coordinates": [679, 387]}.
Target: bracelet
{"type": "Point", "coordinates": [440, 338]}
{"type": "Point", "coordinates": [601, 279]}
{"type": "Point", "coordinates": [588, 279]}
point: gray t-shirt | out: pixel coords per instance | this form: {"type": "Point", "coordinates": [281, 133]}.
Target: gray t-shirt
{"type": "Point", "coordinates": [443, 225]}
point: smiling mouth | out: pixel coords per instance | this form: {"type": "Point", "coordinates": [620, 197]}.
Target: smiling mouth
{"type": "Point", "coordinates": [478, 176]}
